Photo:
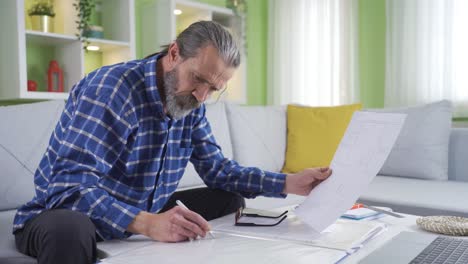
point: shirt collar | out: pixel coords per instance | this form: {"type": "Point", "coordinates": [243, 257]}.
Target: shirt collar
{"type": "Point", "coordinates": [151, 88]}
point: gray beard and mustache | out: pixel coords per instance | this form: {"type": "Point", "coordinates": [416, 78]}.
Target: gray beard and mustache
{"type": "Point", "coordinates": [177, 106]}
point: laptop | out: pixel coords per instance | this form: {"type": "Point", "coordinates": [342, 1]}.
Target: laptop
{"type": "Point", "coordinates": [414, 248]}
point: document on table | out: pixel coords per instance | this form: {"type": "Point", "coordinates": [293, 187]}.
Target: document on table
{"type": "Point", "coordinates": [360, 155]}
{"type": "Point", "coordinates": [227, 249]}
{"type": "Point", "coordinates": [341, 235]}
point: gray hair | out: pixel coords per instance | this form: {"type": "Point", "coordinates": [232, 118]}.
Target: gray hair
{"type": "Point", "coordinates": [203, 33]}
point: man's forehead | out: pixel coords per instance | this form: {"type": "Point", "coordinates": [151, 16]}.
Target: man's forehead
{"type": "Point", "coordinates": [209, 65]}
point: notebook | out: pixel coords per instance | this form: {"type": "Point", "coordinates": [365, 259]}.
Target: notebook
{"type": "Point", "coordinates": [362, 213]}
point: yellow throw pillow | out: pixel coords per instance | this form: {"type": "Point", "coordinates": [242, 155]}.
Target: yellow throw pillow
{"type": "Point", "coordinates": [314, 134]}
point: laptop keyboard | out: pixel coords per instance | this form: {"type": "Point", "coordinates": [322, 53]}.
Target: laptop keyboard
{"type": "Point", "coordinates": [444, 250]}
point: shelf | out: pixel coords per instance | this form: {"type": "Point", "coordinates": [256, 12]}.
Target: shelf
{"type": "Point", "coordinates": [202, 6]}
{"type": "Point", "coordinates": [48, 38]}
{"type": "Point", "coordinates": [52, 39]}
{"type": "Point", "coordinates": [108, 45]}
{"type": "Point", "coordinates": [26, 54]}
{"type": "Point", "coordinates": [45, 95]}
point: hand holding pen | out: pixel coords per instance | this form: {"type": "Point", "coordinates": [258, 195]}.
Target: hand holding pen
{"type": "Point", "coordinates": [174, 225]}
{"type": "Point", "coordinates": [179, 203]}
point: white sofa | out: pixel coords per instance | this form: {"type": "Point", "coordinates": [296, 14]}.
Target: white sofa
{"type": "Point", "coordinates": [252, 135]}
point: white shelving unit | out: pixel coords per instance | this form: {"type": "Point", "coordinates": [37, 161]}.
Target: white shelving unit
{"type": "Point", "coordinates": [25, 53]}
{"type": "Point", "coordinates": [161, 26]}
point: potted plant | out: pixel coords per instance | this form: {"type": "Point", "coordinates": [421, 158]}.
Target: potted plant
{"type": "Point", "coordinates": [42, 14]}
{"type": "Point", "coordinates": [85, 10]}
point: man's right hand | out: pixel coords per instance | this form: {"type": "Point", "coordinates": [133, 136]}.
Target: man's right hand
{"type": "Point", "coordinates": [174, 225]}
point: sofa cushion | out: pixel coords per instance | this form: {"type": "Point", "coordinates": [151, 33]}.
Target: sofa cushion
{"type": "Point", "coordinates": [417, 196]}
{"type": "Point", "coordinates": [216, 115]}
{"type": "Point", "coordinates": [24, 136]}
{"type": "Point", "coordinates": [314, 134]}
{"type": "Point", "coordinates": [8, 252]}
{"type": "Point", "coordinates": [421, 150]}
{"type": "Point", "coordinates": [258, 135]}
{"type": "Point", "coordinates": [17, 185]}
{"type": "Point", "coordinates": [458, 153]}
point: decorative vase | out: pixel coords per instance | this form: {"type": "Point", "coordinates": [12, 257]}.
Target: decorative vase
{"type": "Point", "coordinates": [94, 31]}
{"type": "Point", "coordinates": [42, 23]}
{"type": "Point", "coordinates": [54, 77]}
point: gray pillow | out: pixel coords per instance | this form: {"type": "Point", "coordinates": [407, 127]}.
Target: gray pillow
{"type": "Point", "coordinates": [421, 149]}
{"type": "Point", "coordinates": [258, 135]}
{"type": "Point", "coordinates": [24, 136]}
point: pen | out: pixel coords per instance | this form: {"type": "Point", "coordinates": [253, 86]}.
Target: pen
{"type": "Point", "coordinates": [382, 211]}
{"type": "Point", "coordinates": [179, 203]}
{"type": "Point", "coordinates": [359, 205]}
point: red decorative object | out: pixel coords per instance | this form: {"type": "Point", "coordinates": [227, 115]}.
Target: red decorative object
{"type": "Point", "coordinates": [54, 77]}
{"type": "Point", "coordinates": [32, 86]}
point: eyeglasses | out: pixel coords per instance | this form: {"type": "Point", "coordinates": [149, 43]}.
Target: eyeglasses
{"type": "Point", "coordinates": [197, 81]}
{"type": "Point", "coordinates": [240, 213]}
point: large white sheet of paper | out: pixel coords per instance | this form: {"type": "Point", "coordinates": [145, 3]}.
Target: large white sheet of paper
{"type": "Point", "coordinates": [341, 235]}
{"type": "Point", "coordinates": [361, 153]}
{"type": "Point", "coordinates": [227, 249]}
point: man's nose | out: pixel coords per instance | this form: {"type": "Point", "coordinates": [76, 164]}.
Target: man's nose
{"type": "Point", "coordinates": [201, 94]}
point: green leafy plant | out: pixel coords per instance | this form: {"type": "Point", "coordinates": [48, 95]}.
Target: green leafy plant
{"type": "Point", "coordinates": [42, 9]}
{"type": "Point", "coordinates": [85, 9]}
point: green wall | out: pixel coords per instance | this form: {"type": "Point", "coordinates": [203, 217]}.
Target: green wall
{"type": "Point", "coordinates": [372, 29]}
{"type": "Point", "coordinates": [257, 29]}
{"type": "Point", "coordinates": [92, 61]}
{"type": "Point", "coordinates": [221, 3]}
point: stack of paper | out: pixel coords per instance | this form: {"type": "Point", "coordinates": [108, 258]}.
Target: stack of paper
{"type": "Point", "coordinates": [343, 235]}
{"type": "Point", "coordinates": [362, 213]}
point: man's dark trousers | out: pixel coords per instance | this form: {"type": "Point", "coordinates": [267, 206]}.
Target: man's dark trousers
{"type": "Point", "coordinates": [65, 236]}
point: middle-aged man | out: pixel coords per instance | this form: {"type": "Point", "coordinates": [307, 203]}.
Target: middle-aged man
{"type": "Point", "coordinates": [121, 146]}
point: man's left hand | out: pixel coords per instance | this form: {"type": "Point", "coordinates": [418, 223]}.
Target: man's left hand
{"type": "Point", "coordinates": [303, 182]}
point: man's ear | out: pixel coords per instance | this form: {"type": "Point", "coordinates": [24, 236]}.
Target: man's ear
{"type": "Point", "coordinates": [173, 54]}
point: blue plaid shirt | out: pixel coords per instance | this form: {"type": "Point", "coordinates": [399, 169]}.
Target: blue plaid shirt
{"type": "Point", "coordinates": [115, 152]}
